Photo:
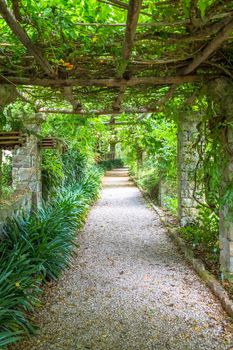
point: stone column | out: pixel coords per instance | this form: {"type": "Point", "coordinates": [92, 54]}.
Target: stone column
{"type": "Point", "coordinates": [161, 192]}
{"type": "Point", "coordinates": [187, 160]}
{"type": "Point", "coordinates": [26, 170]}
{"type": "Point", "coordinates": [112, 150]}
{"type": "Point", "coordinates": [8, 94]}
{"type": "Point", "coordinates": [221, 93]}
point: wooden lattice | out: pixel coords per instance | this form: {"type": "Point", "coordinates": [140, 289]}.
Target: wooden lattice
{"type": "Point", "coordinates": [48, 142]}
{"type": "Point", "coordinates": [139, 65]}
{"type": "Point", "coordinates": [11, 140]}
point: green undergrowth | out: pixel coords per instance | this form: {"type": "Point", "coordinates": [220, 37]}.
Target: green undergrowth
{"type": "Point", "coordinates": [203, 238]}
{"type": "Point", "coordinates": [149, 180]}
{"type": "Point", "coordinates": [111, 164]}
{"type": "Point", "coordinates": [36, 248]}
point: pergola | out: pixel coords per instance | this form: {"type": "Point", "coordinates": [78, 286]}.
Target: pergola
{"type": "Point", "coordinates": [161, 45]}
{"type": "Point", "coordinates": [126, 58]}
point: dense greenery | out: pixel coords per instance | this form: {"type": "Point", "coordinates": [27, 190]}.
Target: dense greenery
{"type": "Point", "coordinates": [151, 156]}
{"type": "Point", "coordinates": [38, 246]}
{"type": "Point", "coordinates": [114, 92]}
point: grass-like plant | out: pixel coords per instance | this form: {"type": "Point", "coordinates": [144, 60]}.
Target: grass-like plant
{"type": "Point", "coordinates": [37, 248]}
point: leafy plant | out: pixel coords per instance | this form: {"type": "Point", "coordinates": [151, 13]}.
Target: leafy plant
{"type": "Point", "coordinates": [37, 248]}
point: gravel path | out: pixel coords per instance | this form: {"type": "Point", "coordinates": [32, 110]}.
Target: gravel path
{"type": "Point", "coordinates": [129, 288]}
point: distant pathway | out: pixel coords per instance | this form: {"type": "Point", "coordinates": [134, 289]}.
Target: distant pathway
{"type": "Point", "coordinates": [129, 287]}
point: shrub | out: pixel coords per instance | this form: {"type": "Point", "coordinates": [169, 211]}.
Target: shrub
{"type": "Point", "coordinates": [203, 236]}
{"type": "Point", "coordinates": [37, 248]}
{"type": "Point", "coordinates": [111, 164]}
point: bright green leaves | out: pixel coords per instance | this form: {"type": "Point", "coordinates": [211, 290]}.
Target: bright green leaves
{"type": "Point", "coordinates": [202, 6]}
{"type": "Point", "coordinates": [186, 6]}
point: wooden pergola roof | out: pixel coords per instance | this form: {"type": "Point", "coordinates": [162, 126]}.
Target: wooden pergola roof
{"type": "Point", "coordinates": [138, 69]}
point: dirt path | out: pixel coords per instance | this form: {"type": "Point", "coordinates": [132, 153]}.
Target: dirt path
{"type": "Point", "coordinates": [129, 288]}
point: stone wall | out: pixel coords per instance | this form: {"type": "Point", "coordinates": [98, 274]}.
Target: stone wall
{"type": "Point", "coordinates": [21, 201]}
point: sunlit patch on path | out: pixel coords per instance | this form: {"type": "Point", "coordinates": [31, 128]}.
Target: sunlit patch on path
{"type": "Point", "coordinates": [129, 288]}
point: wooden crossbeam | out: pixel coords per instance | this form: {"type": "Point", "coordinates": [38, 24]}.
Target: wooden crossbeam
{"type": "Point", "coordinates": [108, 82]}
{"type": "Point", "coordinates": [97, 113]}
{"type": "Point", "coordinates": [123, 123]}
{"type": "Point", "coordinates": [147, 24]}
{"type": "Point", "coordinates": [24, 38]}
{"type": "Point", "coordinates": [153, 24]}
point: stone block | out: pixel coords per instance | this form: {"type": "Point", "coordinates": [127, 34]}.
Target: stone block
{"type": "Point", "coordinates": [27, 174]}
{"type": "Point", "coordinates": [230, 248]}
{"type": "Point", "coordinates": [229, 230]}
{"type": "Point", "coordinates": [22, 161]}
{"type": "Point", "coordinates": [230, 267]}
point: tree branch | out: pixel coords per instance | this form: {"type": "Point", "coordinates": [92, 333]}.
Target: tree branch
{"type": "Point", "coordinates": [16, 9]}
{"type": "Point", "coordinates": [69, 96]}
{"type": "Point", "coordinates": [23, 37]}
{"type": "Point", "coordinates": [210, 48]}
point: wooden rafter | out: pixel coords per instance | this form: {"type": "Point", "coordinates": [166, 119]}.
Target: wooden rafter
{"type": "Point", "coordinates": [131, 26]}
{"type": "Point", "coordinates": [95, 67]}
{"type": "Point", "coordinates": [154, 24]}
{"type": "Point", "coordinates": [24, 38]}
{"type": "Point", "coordinates": [134, 8]}
{"type": "Point", "coordinates": [96, 113]}
{"type": "Point", "coordinates": [122, 5]}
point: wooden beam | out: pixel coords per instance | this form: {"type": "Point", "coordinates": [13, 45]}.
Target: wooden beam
{"type": "Point", "coordinates": [131, 26]}
{"type": "Point", "coordinates": [155, 24]}
{"type": "Point", "coordinates": [110, 82]}
{"type": "Point", "coordinates": [212, 46]}
{"type": "Point", "coordinates": [148, 24]}
{"type": "Point", "coordinates": [134, 8]}
{"type": "Point", "coordinates": [123, 123]}
{"type": "Point", "coordinates": [96, 113]}
{"type": "Point", "coordinates": [24, 38]}
{"type": "Point", "coordinates": [67, 92]}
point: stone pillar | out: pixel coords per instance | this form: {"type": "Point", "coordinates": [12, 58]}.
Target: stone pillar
{"type": "Point", "coordinates": [226, 207]}
{"type": "Point", "coordinates": [26, 170]}
{"type": "Point", "coordinates": [221, 93]}
{"type": "Point", "coordinates": [187, 160]}
{"type": "Point", "coordinates": [112, 150]}
{"type": "Point", "coordinates": [161, 193]}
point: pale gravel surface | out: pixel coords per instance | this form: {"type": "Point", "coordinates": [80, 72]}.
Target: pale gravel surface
{"type": "Point", "coordinates": [129, 287]}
